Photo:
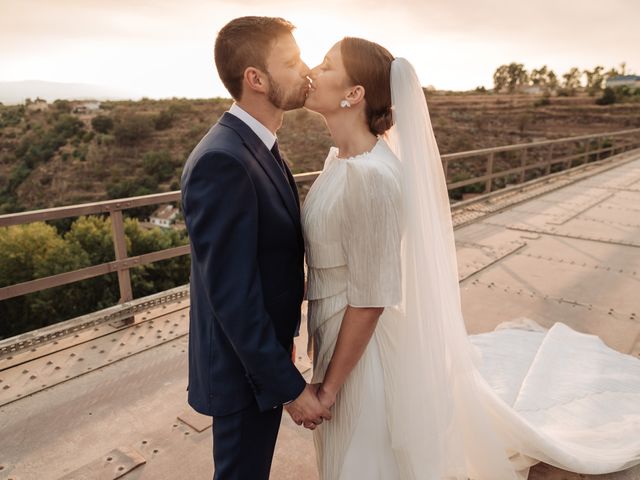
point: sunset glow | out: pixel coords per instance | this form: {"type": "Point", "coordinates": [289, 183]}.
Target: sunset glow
{"type": "Point", "coordinates": [163, 49]}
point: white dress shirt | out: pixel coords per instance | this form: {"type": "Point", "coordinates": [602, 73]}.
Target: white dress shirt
{"type": "Point", "coordinates": [259, 129]}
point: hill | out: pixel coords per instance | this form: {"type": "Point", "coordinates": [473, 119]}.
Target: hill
{"type": "Point", "coordinates": [60, 154]}
{"type": "Point", "coordinates": [18, 92]}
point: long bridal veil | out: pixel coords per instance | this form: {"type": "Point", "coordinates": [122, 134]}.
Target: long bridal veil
{"type": "Point", "coordinates": [445, 420]}
{"type": "Point", "coordinates": [439, 424]}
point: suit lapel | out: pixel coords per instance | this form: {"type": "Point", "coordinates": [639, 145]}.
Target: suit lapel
{"type": "Point", "coordinates": [268, 164]}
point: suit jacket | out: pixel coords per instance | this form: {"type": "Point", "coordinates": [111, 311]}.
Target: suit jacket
{"type": "Point", "coordinates": [247, 276]}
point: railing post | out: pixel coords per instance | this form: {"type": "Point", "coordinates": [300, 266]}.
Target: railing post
{"type": "Point", "coordinates": [523, 164]}
{"type": "Point", "coordinates": [120, 246]}
{"type": "Point", "coordinates": [547, 168]}
{"type": "Point", "coordinates": [445, 168]}
{"type": "Point", "coordinates": [487, 185]}
{"type": "Point", "coordinates": [586, 150]}
{"type": "Point", "coordinates": [599, 147]}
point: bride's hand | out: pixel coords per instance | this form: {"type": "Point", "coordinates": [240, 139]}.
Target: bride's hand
{"type": "Point", "coordinates": [326, 397]}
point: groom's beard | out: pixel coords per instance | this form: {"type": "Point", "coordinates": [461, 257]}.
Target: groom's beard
{"type": "Point", "coordinates": [277, 97]}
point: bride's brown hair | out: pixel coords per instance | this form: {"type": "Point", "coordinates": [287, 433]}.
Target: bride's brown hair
{"type": "Point", "coordinates": [369, 64]}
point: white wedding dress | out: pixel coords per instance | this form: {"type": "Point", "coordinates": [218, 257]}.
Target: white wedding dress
{"type": "Point", "coordinates": [562, 397]}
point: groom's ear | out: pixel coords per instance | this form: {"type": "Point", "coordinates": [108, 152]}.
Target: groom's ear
{"type": "Point", "coordinates": [255, 79]}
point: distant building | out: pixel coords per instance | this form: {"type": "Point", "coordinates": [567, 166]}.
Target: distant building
{"type": "Point", "coordinates": [86, 107]}
{"type": "Point", "coordinates": [164, 216]}
{"type": "Point", "coordinates": [621, 80]}
{"type": "Point", "coordinates": [38, 105]}
{"type": "Point", "coordinates": [531, 89]}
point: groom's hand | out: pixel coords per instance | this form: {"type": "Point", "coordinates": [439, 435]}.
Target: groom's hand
{"type": "Point", "coordinates": [307, 408]}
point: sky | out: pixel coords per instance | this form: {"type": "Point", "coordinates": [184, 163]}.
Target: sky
{"type": "Point", "coordinates": [164, 48]}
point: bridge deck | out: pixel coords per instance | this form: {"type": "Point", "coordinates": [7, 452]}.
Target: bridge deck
{"type": "Point", "coordinates": [99, 398]}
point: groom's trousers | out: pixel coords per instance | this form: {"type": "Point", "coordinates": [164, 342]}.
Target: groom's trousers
{"type": "Point", "coordinates": [243, 443]}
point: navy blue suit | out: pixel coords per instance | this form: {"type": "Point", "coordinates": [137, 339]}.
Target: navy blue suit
{"type": "Point", "coordinates": [247, 282]}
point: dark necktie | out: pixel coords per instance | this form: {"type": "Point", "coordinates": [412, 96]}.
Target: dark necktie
{"type": "Point", "coordinates": [276, 153]}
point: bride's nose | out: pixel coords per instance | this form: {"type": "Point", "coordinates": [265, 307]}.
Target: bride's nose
{"type": "Point", "coordinates": [314, 72]}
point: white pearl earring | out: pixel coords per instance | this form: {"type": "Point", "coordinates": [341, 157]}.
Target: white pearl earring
{"type": "Point", "coordinates": [345, 104]}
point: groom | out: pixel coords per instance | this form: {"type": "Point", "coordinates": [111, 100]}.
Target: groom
{"type": "Point", "coordinates": [242, 213]}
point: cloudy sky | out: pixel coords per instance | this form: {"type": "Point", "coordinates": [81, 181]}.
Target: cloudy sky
{"type": "Point", "coordinates": [163, 48]}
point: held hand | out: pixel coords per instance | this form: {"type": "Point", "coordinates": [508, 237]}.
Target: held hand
{"type": "Point", "coordinates": [327, 398]}
{"type": "Point", "coordinates": [307, 409]}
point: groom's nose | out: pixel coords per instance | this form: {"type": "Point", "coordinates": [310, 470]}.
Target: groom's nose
{"type": "Point", "coordinates": [306, 71]}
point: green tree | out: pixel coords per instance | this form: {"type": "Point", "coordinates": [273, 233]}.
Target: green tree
{"type": "Point", "coordinates": [158, 276]}
{"type": "Point", "coordinates": [594, 80]}
{"type": "Point", "coordinates": [518, 76]}
{"type": "Point", "coordinates": [37, 250]}
{"type": "Point", "coordinates": [571, 81]}
{"type": "Point", "coordinates": [500, 78]}
{"type": "Point", "coordinates": [34, 251]}
{"type": "Point", "coordinates": [552, 81]}
{"type": "Point", "coordinates": [510, 77]}
{"type": "Point", "coordinates": [544, 78]}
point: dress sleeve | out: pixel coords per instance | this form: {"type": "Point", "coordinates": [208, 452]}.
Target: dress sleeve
{"type": "Point", "coordinates": [371, 235]}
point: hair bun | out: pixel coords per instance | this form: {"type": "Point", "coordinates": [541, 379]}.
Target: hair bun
{"type": "Point", "coordinates": [381, 121]}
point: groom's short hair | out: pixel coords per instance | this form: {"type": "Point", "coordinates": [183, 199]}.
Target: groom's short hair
{"type": "Point", "coordinates": [246, 42]}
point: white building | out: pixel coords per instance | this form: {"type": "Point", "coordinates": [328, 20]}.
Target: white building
{"type": "Point", "coordinates": [620, 80]}
{"type": "Point", "coordinates": [531, 89]}
{"type": "Point", "coordinates": [164, 216]}
{"type": "Point", "coordinates": [86, 107]}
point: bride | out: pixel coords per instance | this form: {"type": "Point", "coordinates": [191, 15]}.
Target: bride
{"type": "Point", "coordinates": [412, 396]}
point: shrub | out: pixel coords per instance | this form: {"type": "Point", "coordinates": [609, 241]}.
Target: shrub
{"type": "Point", "coordinates": [163, 120]}
{"type": "Point", "coordinates": [545, 100]}
{"type": "Point", "coordinates": [608, 97]}
{"type": "Point", "coordinates": [130, 129]}
{"type": "Point", "coordinates": [159, 164]}
{"type": "Point", "coordinates": [102, 123]}
{"type": "Point", "coordinates": [63, 106]}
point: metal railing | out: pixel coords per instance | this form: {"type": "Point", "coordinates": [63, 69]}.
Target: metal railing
{"type": "Point", "coordinates": [538, 156]}
{"type": "Point", "coordinates": [589, 148]}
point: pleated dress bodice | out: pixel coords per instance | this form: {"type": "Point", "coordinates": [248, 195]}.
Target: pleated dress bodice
{"type": "Point", "coordinates": [351, 222]}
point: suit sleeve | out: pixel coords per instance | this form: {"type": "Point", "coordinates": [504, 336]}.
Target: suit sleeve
{"type": "Point", "coordinates": [221, 211]}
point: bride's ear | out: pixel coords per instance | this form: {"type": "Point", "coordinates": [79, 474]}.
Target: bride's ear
{"type": "Point", "coordinates": [355, 94]}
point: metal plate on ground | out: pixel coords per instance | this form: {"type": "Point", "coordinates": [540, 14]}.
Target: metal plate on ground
{"type": "Point", "coordinates": [195, 420]}
{"type": "Point", "coordinates": [487, 304]}
{"type": "Point", "coordinates": [43, 372]}
{"type": "Point", "coordinates": [115, 464]}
